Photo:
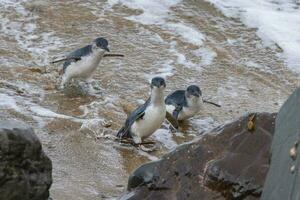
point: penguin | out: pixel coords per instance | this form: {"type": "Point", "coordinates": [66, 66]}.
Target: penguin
{"type": "Point", "coordinates": [147, 118]}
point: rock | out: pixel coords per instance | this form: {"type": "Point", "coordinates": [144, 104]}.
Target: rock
{"type": "Point", "coordinates": [25, 170]}
{"type": "Point", "coordinates": [283, 177]}
{"type": "Point", "coordinates": [241, 170]}
{"type": "Point", "coordinates": [229, 162]}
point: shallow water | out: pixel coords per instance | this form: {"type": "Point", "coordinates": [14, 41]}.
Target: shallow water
{"type": "Point", "coordinates": [187, 42]}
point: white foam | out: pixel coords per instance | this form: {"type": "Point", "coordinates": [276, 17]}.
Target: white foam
{"type": "Point", "coordinates": [8, 102]}
{"type": "Point", "coordinates": [278, 21]}
{"type": "Point", "coordinates": [256, 65]}
{"type": "Point", "coordinates": [166, 69]}
{"type": "Point", "coordinates": [160, 13]}
{"type": "Point", "coordinates": [92, 124]}
{"type": "Point", "coordinates": [204, 124]}
{"type": "Point", "coordinates": [181, 59]}
{"type": "Point", "coordinates": [233, 89]}
{"type": "Point", "coordinates": [149, 156]}
{"type": "Point", "coordinates": [187, 32]}
{"type": "Point", "coordinates": [44, 112]}
{"type": "Point", "coordinates": [25, 106]}
{"type": "Point", "coordinates": [97, 127]}
{"type": "Point", "coordinates": [165, 137]}
{"type": "Point", "coordinates": [207, 56]}
{"type": "Point", "coordinates": [153, 12]}
{"type": "Point", "coordinates": [156, 12]}
{"type": "Point", "coordinates": [25, 31]}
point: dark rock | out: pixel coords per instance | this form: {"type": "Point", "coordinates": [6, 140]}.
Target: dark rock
{"type": "Point", "coordinates": [25, 171]}
{"type": "Point", "coordinates": [283, 177]}
{"type": "Point", "coordinates": [230, 162]}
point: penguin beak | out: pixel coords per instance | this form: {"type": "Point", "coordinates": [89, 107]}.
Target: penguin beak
{"type": "Point", "coordinates": [106, 49]}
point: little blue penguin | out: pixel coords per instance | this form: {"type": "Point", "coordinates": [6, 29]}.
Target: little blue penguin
{"type": "Point", "coordinates": [83, 62]}
{"type": "Point", "coordinates": [147, 118]}
{"type": "Point", "coordinates": [184, 104]}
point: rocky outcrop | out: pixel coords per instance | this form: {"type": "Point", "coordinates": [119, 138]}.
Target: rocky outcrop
{"type": "Point", "coordinates": [25, 170]}
{"type": "Point", "coordinates": [230, 162]}
{"type": "Point", "coordinates": [283, 177]}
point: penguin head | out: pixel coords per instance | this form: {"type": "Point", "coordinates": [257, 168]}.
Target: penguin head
{"type": "Point", "coordinates": [158, 82]}
{"type": "Point", "coordinates": [193, 91]}
{"type": "Point", "coordinates": [100, 43]}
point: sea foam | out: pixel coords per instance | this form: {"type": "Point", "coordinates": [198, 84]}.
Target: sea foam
{"type": "Point", "coordinates": [153, 12]}
{"type": "Point", "coordinates": [277, 22]}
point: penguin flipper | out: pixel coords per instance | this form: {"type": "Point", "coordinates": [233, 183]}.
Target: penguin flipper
{"type": "Point", "coordinates": [76, 56]}
{"type": "Point", "coordinates": [177, 111]}
{"type": "Point", "coordinates": [178, 100]}
{"type": "Point", "coordinates": [123, 133]}
{"type": "Point", "coordinates": [136, 115]}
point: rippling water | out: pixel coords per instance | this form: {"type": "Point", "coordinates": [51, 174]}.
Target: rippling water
{"type": "Point", "coordinates": [187, 42]}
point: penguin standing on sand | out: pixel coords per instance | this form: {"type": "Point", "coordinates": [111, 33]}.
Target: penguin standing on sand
{"type": "Point", "coordinates": [83, 62]}
{"type": "Point", "coordinates": [147, 118]}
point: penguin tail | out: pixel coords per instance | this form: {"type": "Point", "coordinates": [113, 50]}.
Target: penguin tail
{"type": "Point", "coordinates": [123, 133]}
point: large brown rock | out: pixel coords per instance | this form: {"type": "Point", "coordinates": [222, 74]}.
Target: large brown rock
{"type": "Point", "coordinates": [230, 162]}
{"type": "Point", "coordinates": [25, 171]}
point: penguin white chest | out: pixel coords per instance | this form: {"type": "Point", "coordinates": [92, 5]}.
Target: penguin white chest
{"type": "Point", "coordinates": [85, 67]}
{"type": "Point", "coordinates": [185, 112]}
{"type": "Point", "coordinates": [188, 112]}
{"type": "Point", "coordinates": [152, 120]}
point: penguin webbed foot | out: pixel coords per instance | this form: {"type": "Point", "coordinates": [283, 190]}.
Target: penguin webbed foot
{"type": "Point", "coordinates": [138, 143]}
{"type": "Point", "coordinates": [126, 141]}
{"type": "Point", "coordinates": [150, 146]}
